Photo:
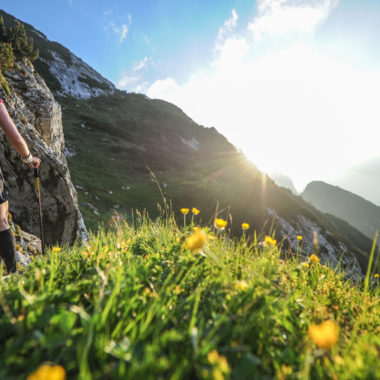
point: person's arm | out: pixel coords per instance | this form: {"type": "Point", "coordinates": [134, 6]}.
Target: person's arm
{"type": "Point", "coordinates": [15, 138]}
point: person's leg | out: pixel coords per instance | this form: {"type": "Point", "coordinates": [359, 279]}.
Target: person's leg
{"type": "Point", "coordinates": [7, 242]}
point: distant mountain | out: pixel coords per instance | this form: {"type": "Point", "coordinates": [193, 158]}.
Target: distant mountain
{"type": "Point", "coordinates": [363, 179]}
{"type": "Point", "coordinates": [126, 151]}
{"type": "Point", "coordinates": [284, 181]}
{"type": "Point", "coordinates": [357, 211]}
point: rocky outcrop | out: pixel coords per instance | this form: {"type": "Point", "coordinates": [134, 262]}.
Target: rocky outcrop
{"type": "Point", "coordinates": [27, 245]}
{"type": "Point", "coordinates": [75, 77]}
{"type": "Point", "coordinates": [331, 252]}
{"type": "Point", "coordinates": [38, 117]}
{"type": "Point", "coordinates": [64, 72]}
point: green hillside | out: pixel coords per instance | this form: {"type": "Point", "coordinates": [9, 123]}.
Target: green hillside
{"type": "Point", "coordinates": [136, 304]}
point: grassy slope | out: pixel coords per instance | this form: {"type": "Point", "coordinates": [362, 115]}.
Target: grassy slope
{"type": "Point", "coordinates": [136, 305]}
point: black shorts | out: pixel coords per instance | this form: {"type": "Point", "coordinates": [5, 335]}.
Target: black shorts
{"type": "Point", "coordinates": [4, 193]}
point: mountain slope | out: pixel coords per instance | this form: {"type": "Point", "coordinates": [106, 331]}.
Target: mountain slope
{"type": "Point", "coordinates": [363, 179]}
{"type": "Point", "coordinates": [360, 213]}
{"type": "Point", "coordinates": [115, 139]}
{"type": "Point", "coordinates": [284, 181]}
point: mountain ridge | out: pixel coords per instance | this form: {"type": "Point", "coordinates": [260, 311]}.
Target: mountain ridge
{"type": "Point", "coordinates": [63, 71]}
{"type": "Point", "coordinates": [359, 212]}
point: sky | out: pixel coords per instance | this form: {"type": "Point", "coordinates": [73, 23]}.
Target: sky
{"type": "Point", "coordinates": [294, 84]}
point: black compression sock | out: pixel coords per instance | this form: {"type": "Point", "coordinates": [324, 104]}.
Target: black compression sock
{"type": "Point", "coordinates": [8, 250]}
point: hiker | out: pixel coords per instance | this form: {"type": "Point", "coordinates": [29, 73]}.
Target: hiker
{"type": "Point", "coordinates": [7, 242]}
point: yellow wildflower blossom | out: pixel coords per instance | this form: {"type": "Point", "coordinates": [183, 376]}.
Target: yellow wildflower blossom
{"type": "Point", "coordinates": [286, 370]}
{"type": "Point", "coordinates": [56, 249]}
{"type": "Point", "coordinates": [268, 240]}
{"type": "Point", "coordinates": [195, 241]}
{"type": "Point", "coordinates": [306, 265]}
{"type": "Point", "coordinates": [324, 335]}
{"type": "Point", "coordinates": [48, 372]}
{"type": "Point", "coordinates": [245, 226]}
{"type": "Point", "coordinates": [185, 211]}
{"type": "Point", "coordinates": [314, 258]}
{"type": "Point", "coordinates": [377, 275]}
{"type": "Point", "coordinates": [220, 224]}
{"type": "Point", "coordinates": [218, 360]}
{"type": "Point", "coordinates": [177, 290]}
{"type": "Point", "coordinates": [195, 211]}
{"type": "Point", "coordinates": [299, 237]}
{"type": "Point", "coordinates": [85, 253]}
{"type": "Point", "coordinates": [241, 285]}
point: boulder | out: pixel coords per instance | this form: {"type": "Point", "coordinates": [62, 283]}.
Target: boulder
{"type": "Point", "coordinates": [39, 119]}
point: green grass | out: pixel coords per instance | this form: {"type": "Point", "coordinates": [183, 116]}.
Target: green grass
{"type": "Point", "coordinates": [134, 304]}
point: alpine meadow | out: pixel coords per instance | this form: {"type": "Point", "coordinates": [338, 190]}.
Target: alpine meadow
{"type": "Point", "coordinates": [149, 246]}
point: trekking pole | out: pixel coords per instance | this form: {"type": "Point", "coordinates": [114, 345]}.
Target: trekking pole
{"type": "Point", "coordinates": [38, 190]}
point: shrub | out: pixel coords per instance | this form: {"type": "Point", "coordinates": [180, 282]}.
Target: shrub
{"type": "Point", "coordinates": [7, 59]}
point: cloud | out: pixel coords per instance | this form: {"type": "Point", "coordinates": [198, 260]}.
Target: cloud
{"type": "Point", "coordinates": [228, 25]}
{"type": "Point", "coordinates": [164, 88]}
{"type": "Point", "coordinates": [138, 66]}
{"type": "Point", "coordinates": [294, 109]}
{"type": "Point", "coordinates": [280, 17]}
{"type": "Point", "coordinates": [120, 30]}
{"type": "Point", "coordinates": [126, 82]}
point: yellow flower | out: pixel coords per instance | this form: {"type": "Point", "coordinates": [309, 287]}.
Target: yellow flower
{"type": "Point", "coordinates": [48, 372]}
{"type": "Point", "coordinates": [218, 361]}
{"type": "Point", "coordinates": [177, 290]}
{"type": "Point", "coordinates": [324, 335]}
{"type": "Point", "coordinates": [195, 211]}
{"type": "Point", "coordinates": [241, 285]}
{"type": "Point", "coordinates": [56, 249]}
{"type": "Point", "coordinates": [220, 224]}
{"type": "Point", "coordinates": [314, 259]}
{"type": "Point", "coordinates": [286, 370]}
{"type": "Point", "coordinates": [299, 237]}
{"type": "Point", "coordinates": [377, 275]}
{"type": "Point", "coordinates": [185, 211]}
{"type": "Point", "coordinates": [85, 253]}
{"type": "Point", "coordinates": [195, 241]}
{"type": "Point", "coordinates": [245, 226]}
{"type": "Point", "coordinates": [306, 265]}
{"type": "Point", "coordinates": [268, 240]}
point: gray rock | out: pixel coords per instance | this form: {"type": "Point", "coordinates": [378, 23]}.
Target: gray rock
{"type": "Point", "coordinates": [39, 119]}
